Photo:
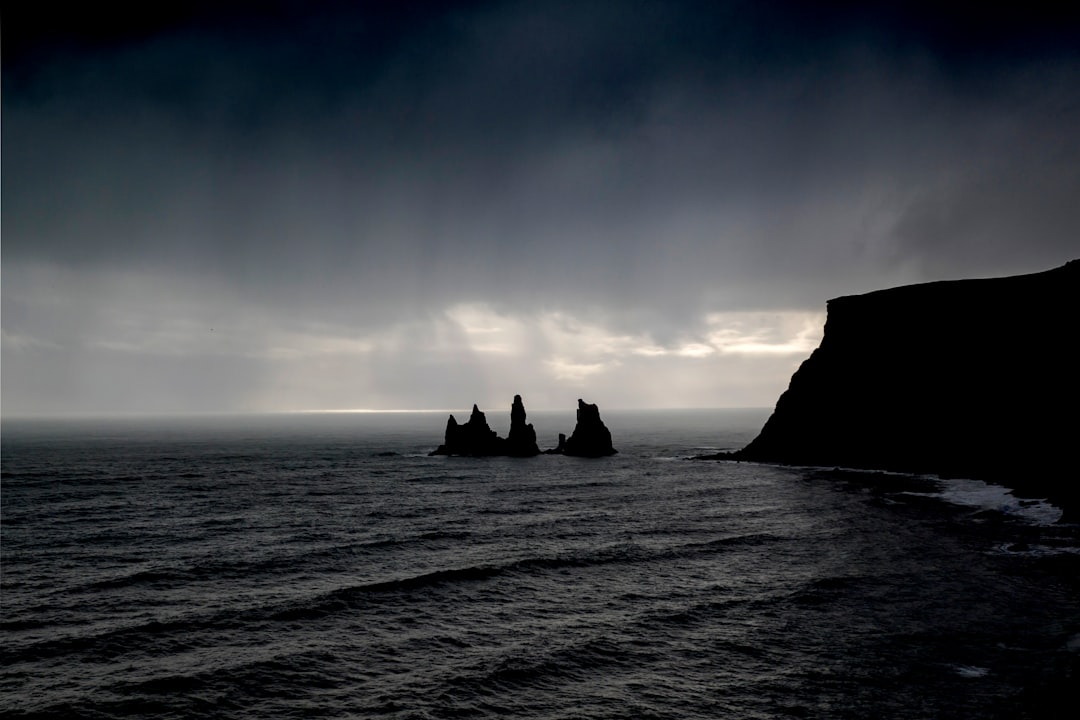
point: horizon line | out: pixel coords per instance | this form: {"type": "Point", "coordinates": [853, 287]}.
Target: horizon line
{"type": "Point", "coordinates": [136, 414]}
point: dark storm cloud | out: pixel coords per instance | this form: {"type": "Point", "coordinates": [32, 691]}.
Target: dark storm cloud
{"type": "Point", "coordinates": [366, 166]}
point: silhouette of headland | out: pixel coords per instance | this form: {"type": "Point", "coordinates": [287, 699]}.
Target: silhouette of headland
{"type": "Point", "coordinates": [475, 438]}
{"type": "Point", "coordinates": [962, 378]}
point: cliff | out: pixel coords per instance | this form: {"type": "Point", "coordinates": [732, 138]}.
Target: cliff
{"type": "Point", "coordinates": [973, 378]}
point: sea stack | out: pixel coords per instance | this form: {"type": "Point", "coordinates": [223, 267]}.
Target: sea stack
{"type": "Point", "coordinates": [474, 438]}
{"type": "Point", "coordinates": [590, 438]}
{"type": "Point", "coordinates": [521, 442]}
{"type": "Point", "coordinates": [969, 378]}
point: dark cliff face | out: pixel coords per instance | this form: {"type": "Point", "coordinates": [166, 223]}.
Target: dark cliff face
{"type": "Point", "coordinates": [975, 378]}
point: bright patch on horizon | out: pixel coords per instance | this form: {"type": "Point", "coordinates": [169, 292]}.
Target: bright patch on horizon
{"type": "Point", "coordinates": [753, 333]}
{"type": "Point", "coordinates": [487, 331]}
{"type": "Point", "coordinates": [574, 350]}
{"type": "Point", "coordinates": [695, 350]}
{"type": "Point", "coordinates": [573, 372]}
{"type": "Point", "coordinates": [650, 351]}
{"type": "Point", "coordinates": [569, 335]}
{"type": "Point", "coordinates": [216, 350]}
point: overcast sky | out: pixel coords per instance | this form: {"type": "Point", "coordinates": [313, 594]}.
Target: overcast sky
{"type": "Point", "coordinates": [329, 205]}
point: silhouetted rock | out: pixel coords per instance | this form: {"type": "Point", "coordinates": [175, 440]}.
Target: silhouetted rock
{"type": "Point", "coordinates": [591, 437]}
{"type": "Point", "coordinates": [473, 438]}
{"type": "Point", "coordinates": [972, 378]}
{"type": "Point", "coordinates": [561, 447]}
{"type": "Point", "coordinates": [521, 442]}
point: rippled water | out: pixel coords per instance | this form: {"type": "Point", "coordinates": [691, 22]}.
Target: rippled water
{"type": "Point", "coordinates": [324, 566]}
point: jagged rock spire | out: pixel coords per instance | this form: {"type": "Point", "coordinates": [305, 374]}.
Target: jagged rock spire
{"type": "Point", "coordinates": [521, 442]}
{"type": "Point", "coordinates": [590, 438]}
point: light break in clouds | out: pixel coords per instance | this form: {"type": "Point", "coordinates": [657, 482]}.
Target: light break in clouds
{"type": "Point", "coordinates": [648, 205]}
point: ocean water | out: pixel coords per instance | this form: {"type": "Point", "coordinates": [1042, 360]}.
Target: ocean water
{"type": "Point", "coordinates": [325, 566]}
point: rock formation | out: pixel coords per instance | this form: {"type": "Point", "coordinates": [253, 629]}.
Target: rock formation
{"type": "Point", "coordinates": [477, 439]}
{"type": "Point", "coordinates": [590, 438]}
{"type": "Point", "coordinates": [560, 449]}
{"type": "Point", "coordinates": [973, 378]}
{"type": "Point", "coordinates": [474, 438]}
{"type": "Point", "coordinates": [521, 442]}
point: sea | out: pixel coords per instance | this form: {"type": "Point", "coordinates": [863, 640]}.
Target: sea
{"type": "Point", "coordinates": [324, 566]}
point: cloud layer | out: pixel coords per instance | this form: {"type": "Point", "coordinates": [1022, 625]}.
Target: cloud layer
{"type": "Point", "coordinates": [342, 207]}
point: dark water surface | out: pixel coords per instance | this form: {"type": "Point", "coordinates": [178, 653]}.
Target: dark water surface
{"type": "Point", "coordinates": [324, 566]}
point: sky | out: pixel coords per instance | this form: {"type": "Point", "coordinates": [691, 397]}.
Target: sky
{"type": "Point", "coordinates": [269, 207]}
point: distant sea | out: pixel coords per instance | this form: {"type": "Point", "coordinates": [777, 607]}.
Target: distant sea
{"type": "Point", "coordinates": [302, 566]}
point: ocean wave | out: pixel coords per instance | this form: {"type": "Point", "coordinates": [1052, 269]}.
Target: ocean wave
{"type": "Point", "coordinates": [541, 668]}
{"type": "Point", "coordinates": [302, 584]}
{"type": "Point", "coordinates": [348, 597]}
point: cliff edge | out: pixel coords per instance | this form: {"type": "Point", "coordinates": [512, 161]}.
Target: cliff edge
{"type": "Point", "coordinates": [970, 378]}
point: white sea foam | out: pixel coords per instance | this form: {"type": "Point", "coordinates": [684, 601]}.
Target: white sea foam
{"type": "Point", "coordinates": [986, 496]}
{"type": "Point", "coordinates": [976, 493]}
{"type": "Point", "coordinates": [970, 671]}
